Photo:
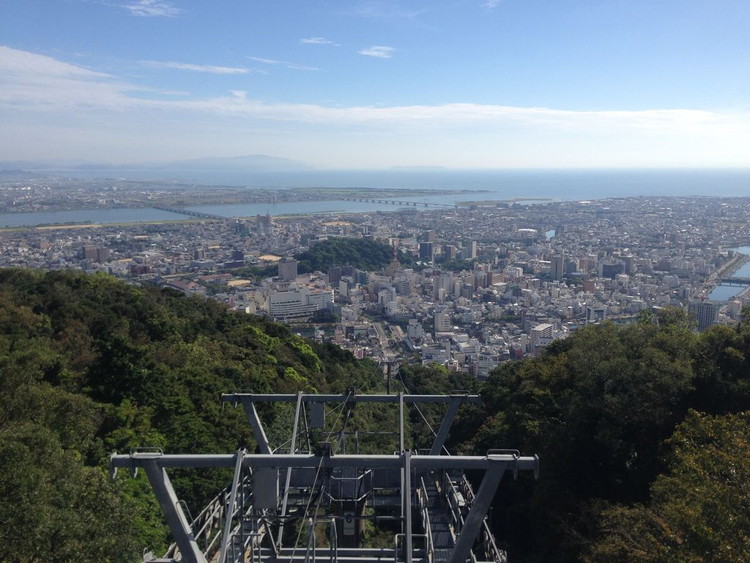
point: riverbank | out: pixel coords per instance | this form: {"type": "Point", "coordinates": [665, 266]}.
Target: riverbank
{"type": "Point", "coordinates": [714, 283]}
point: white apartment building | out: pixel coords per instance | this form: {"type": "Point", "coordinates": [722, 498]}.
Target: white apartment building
{"type": "Point", "coordinates": [298, 303]}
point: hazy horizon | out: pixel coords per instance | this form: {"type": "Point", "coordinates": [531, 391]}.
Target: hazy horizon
{"type": "Point", "coordinates": [302, 167]}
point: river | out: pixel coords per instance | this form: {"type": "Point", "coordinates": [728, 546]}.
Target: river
{"type": "Point", "coordinates": [497, 185]}
{"type": "Point", "coordinates": [726, 292]}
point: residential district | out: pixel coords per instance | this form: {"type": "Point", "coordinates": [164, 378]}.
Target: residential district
{"type": "Point", "coordinates": [468, 287]}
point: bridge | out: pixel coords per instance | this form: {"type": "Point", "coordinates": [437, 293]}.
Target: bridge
{"type": "Point", "coordinates": [402, 202]}
{"type": "Point", "coordinates": [310, 498]}
{"type": "Point", "coordinates": [191, 213]}
{"type": "Point", "coordinates": [735, 281]}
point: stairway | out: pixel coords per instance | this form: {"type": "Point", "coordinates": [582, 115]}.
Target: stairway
{"type": "Point", "coordinates": [443, 539]}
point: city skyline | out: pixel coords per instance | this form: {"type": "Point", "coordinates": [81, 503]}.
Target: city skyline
{"type": "Point", "coordinates": [379, 84]}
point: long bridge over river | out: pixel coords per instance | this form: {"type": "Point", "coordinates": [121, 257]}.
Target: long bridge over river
{"type": "Point", "coordinates": [735, 281]}
{"type": "Point", "coordinates": [402, 202]}
{"type": "Point", "coordinates": [199, 214]}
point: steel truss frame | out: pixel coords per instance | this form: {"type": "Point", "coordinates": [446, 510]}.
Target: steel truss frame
{"type": "Point", "coordinates": [155, 464]}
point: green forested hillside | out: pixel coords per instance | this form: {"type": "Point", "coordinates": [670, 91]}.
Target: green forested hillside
{"type": "Point", "coordinates": [88, 365]}
{"type": "Point", "coordinates": [642, 430]}
{"type": "Point", "coordinates": [631, 471]}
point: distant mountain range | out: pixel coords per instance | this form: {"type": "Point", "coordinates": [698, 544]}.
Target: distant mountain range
{"type": "Point", "coordinates": [248, 163]}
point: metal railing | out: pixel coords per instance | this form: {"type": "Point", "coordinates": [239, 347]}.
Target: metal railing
{"type": "Point", "coordinates": [456, 503]}
{"type": "Point", "coordinates": [351, 488]}
{"type": "Point", "coordinates": [400, 547]}
{"type": "Point", "coordinates": [207, 526]}
{"type": "Point", "coordinates": [486, 538]}
{"type": "Point", "coordinates": [423, 498]}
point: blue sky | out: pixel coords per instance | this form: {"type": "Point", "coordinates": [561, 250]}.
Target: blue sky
{"type": "Point", "coordinates": [379, 83]}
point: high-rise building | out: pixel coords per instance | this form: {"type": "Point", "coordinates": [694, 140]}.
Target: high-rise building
{"type": "Point", "coordinates": [557, 265]}
{"type": "Point", "coordinates": [402, 286]}
{"type": "Point", "coordinates": [263, 224]}
{"type": "Point", "coordinates": [611, 270]}
{"type": "Point", "coordinates": [102, 254]}
{"type": "Point", "coordinates": [707, 313]}
{"type": "Point", "coordinates": [540, 335]}
{"type": "Point", "coordinates": [426, 251]}
{"type": "Point", "coordinates": [88, 252]}
{"type": "Point", "coordinates": [414, 330]}
{"type": "Point", "coordinates": [629, 263]}
{"type": "Point", "coordinates": [450, 251]}
{"type": "Point", "coordinates": [95, 253]}
{"type": "Point", "coordinates": [334, 275]}
{"type": "Point", "coordinates": [288, 269]}
{"type": "Point", "coordinates": [241, 228]}
{"type": "Point", "coordinates": [443, 321]}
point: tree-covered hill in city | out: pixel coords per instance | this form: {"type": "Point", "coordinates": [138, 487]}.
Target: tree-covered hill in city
{"type": "Point", "coordinates": [89, 365]}
{"type": "Point", "coordinates": [363, 254]}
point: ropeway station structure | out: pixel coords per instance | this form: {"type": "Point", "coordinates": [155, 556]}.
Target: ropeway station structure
{"type": "Point", "coordinates": [311, 500]}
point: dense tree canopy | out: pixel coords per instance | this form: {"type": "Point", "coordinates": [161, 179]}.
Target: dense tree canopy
{"type": "Point", "coordinates": [363, 254]}
{"type": "Point", "coordinates": [89, 365]}
{"type": "Point", "coordinates": [600, 409]}
{"type": "Point", "coordinates": [698, 510]}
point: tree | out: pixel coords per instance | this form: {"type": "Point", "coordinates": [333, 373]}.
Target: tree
{"type": "Point", "coordinates": [699, 509]}
{"type": "Point", "coordinates": [596, 408]}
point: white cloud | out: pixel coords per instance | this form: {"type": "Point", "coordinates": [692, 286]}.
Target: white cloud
{"type": "Point", "coordinates": [469, 115]}
{"type": "Point", "coordinates": [41, 82]}
{"type": "Point", "coordinates": [210, 69]}
{"type": "Point", "coordinates": [19, 63]}
{"type": "Point", "coordinates": [28, 79]}
{"type": "Point", "coordinates": [318, 41]}
{"type": "Point", "coordinates": [265, 61]}
{"type": "Point", "coordinates": [490, 4]}
{"type": "Point", "coordinates": [285, 64]}
{"type": "Point", "coordinates": [378, 51]}
{"type": "Point", "coordinates": [37, 91]}
{"type": "Point", "coordinates": [152, 8]}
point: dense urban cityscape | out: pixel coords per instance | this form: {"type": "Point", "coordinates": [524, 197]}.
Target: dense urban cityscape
{"type": "Point", "coordinates": [468, 287]}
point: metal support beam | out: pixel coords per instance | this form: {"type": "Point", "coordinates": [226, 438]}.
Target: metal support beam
{"type": "Point", "coordinates": [310, 553]}
{"type": "Point", "coordinates": [258, 432]}
{"type": "Point", "coordinates": [407, 505]}
{"type": "Point", "coordinates": [292, 448]}
{"type": "Point", "coordinates": [230, 507]}
{"type": "Point", "coordinates": [445, 426]}
{"type": "Point", "coordinates": [511, 462]}
{"type": "Point", "coordinates": [495, 464]}
{"type": "Point", "coordinates": [401, 451]}
{"type": "Point", "coordinates": [178, 524]}
{"type": "Point", "coordinates": [342, 398]}
{"type": "Point", "coordinates": [479, 508]}
{"type": "Point", "coordinates": [401, 438]}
